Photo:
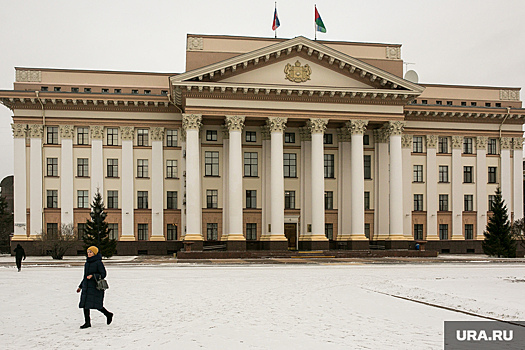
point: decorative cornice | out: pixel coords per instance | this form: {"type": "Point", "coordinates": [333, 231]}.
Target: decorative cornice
{"type": "Point", "coordinates": [195, 43]}
{"type": "Point", "coordinates": [66, 131]}
{"type": "Point", "coordinates": [191, 122]}
{"type": "Point", "coordinates": [28, 76]}
{"type": "Point", "coordinates": [517, 143]}
{"type": "Point", "coordinates": [317, 125]}
{"type": "Point", "coordinates": [406, 141]}
{"type": "Point", "coordinates": [356, 126]}
{"type": "Point", "coordinates": [396, 128]}
{"type": "Point", "coordinates": [235, 122]}
{"type": "Point", "coordinates": [97, 132]}
{"type": "Point", "coordinates": [19, 130]}
{"type": "Point", "coordinates": [505, 142]}
{"type": "Point", "coordinates": [157, 133]}
{"type": "Point", "coordinates": [276, 124]}
{"type": "Point", "coordinates": [512, 95]}
{"type": "Point", "coordinates": [127, 133]}
{"type": "Point", "coordinates": [393, 53]}
{"type": "Point", "coordinates": [457, 141]}
{"type": "Point", "coordinates": [481, 142]}
{"type": "Point", "coordinates": [343, 135]}
{"type": "Point", "coordinates": [482, 114]}
{"type": "Point", "coordinates": [432, 141]}
{"type": "Point", "coordinates": [265, 133]}
{"type": "Point", "coordinates": [36, 130]}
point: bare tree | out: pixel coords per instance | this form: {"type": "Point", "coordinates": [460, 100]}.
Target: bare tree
{"type": "Point", "coordinates": [58, 242]}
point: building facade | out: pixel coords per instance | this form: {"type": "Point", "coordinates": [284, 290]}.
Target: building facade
{"type": "Point", "coordinates": [265, 144]}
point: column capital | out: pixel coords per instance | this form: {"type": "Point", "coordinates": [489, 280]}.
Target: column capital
{"type": "Point", "coordinates": [317, 125]}
{"type": "Point", "coordinates": [432, 141]}
{"type": "Point", "coordinates": [127, 132]}
{"type": "Point", "coordinates": [505, 142]}
{"type": "Point", "coordinates": [381, 135]}
{"type": "Point", "coordinates": [517, 143]}
{"type": "Point", "coordinates": [343, 135]}
{"type": "Point", "coordinates": [276, 124]}
{"type": "Point", "coordinates": [36, 130]}
{"type": "Point", "coordinates": [235, 122]}
{"type": "Point", "coordinates": [481, 142]}
{"type": "Point", "coordinates": [66, 131]}
{"type": "Point", "coordinates": [305, 134]}
{"type": "Point", "coordinates": [406, 141]}
{"type": "Point", "coordinates": [191, 122]}
{"type": "Point", "coordinates": [265, 133]}
{"type": "Point", "coordinates": [157, 133]}
{"type": "Point", "coordinates": [225, 132]}
{"type": "Point", "coordinates": [357, 126]}
{"type": "Point", "coordinates": [396, 127]}
{"type": "Point", "coordinates": [19, 130]}
{"type": "Point", "coordinates": [97, 132]}
{"type": "Point", "coordinates": [457, 141]}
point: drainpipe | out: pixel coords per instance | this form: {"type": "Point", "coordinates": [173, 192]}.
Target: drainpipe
{"type": "Point", "coordinates": [43, 160]}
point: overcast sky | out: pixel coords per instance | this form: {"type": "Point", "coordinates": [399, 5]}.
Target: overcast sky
{"type": "Point", "coordinates": [463, 42]}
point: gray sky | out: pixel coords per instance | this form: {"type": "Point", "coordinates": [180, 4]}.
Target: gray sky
{"type": "Point", "coordinates": [463, 42]}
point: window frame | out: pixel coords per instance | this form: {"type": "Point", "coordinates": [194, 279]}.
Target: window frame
{"type": "Point", "coordinates": [418, 231]}
{"type": "Point", "coordinates": [82, 200]}
{"type": "Point", "coordinates": [492, 177]}
{"type": "Point", "coordinates": [443, 174]}
{"type": "Point", "coordinates": [172, 170]}
{"type": "Point", "coordinates": [328, 200]}
{"type": "Point", "coordinates": [367, 166]}
{"type": "Point", "coordinates": [112, 167]}
{"type": "Point", "coordinates": [52, 167]}
{"type": "Point", "coordinates": [251, 199]}
{"type": "Point", "coordinates": [82, 167]}
{"type": "Point", "coordinates": [443, 202]}
{"type": "Point", "coordinates": [290, 165]}
{"type": "Point", "coordinates": [212, 231]}
{"type": "Point", "coordinates": [52, 135]}
{"type": "Point", "coordinates": [468, 145]}
{"type": "Point", "coordinates": [443, 232]}
{"type": "Point", "coordinates": [51, 198]}
{"type": "Point", "coordinates": [172, 138]}
{"type": "Point", "coordinates": [417, 173]}
{"type": "Point", "coordinates": [417, 144]}
{"type": "Point", "coordinates": [112, 136]}
{"type": "Point", "coordinates": [418, 202]}
{"type": "Point", "coordinates": [171, 232]}
{"type": "Point", "coordinates": [329, 166]}
{"type": "Point", "coordinates": [142, 200]}
{"type": "Point", "coordinates": [468, 174]}
{"type": "Point", "coordinates": [143, 137]}
{"type": "Point", "coordinates": [251, 231]}
{"type": "Point", "coordinates": [142, 168]}
{"type": "Point", "coordinates": [142, 232]}
{"type": "Point", "coordinates": [468, 202]}
{"type": "Point", "coordinates": [289, 199]}
{"type": "Point", "coordinates": [251, 169]}
{"type": "Point", "coordinates": [212, 199]}
{"type": "Point", "coordinates": [112, 202]}
{"type": "Point", "coordinates": [211, 135]}
{"type": "Point", "coordinates": [172, 200]}
{"type": "Point", "coordinates": [82, 136]}
{"type": "Point", "coordinates": [250, 136]}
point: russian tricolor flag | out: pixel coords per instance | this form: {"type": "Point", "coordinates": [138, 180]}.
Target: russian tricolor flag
{"type": "Point", "coordinates": [276, 22]}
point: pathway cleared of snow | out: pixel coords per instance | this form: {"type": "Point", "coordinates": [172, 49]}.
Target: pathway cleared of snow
{"type": "Point", "coordinates": [256, 307]}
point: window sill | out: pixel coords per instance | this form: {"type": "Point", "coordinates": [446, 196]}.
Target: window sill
{"type": "Point", "coordinates": [250, 177]}
{"type": "Point", "coordinates": [443, 182]}
{"type": "Point", "coordinates": [81, 177]}
{"type": "Point", "coordinates": [418, 182]}
{"type": "Point", "coordinates": [171, 178]}
{"type": "Point", "coordinates": [145, 178]}
{"type": "Point", "coordinates": [52, 176]}
{"type": "Point", "coordinates": [211, 176]}
{"type": "Point", "coordinates": [112, 177]}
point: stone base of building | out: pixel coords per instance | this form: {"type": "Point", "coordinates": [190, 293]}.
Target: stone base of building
{"type": "Point", "coordinates": [236, 245]}
{"type": "Point", "coordinates": [352, 245]}
{"type": "Point", "coordinates": [274, 245]}
{"type": "Point", "coordinates": [314, 245]}
{"type": "Point", "coordinates": [459, 247]}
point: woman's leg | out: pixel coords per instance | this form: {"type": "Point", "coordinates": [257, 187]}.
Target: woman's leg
{"type": "Point", "coordinates": [109, 315]}
{"type": "Point", "coordinates": [87, 319]}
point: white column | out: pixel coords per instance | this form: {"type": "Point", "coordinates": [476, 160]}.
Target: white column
{"type": "Point", "coordinates": [66, 194]}
{"type": "Point", "coordinates": [406, 144]}
{"type": "Point", "coordinates": [431, 184]}
{"type": "Point", "coordinates": [127, 134]}
{"type": "Point", "coordinates": [235, 124]}
{"type": "Point", "coordinates": [517, 198]}
{"type": "Point", "coordinates": [157, 184]}
{"type": "Point", "coordinates": [182, 163]}
{"type": "Point", "coordinates": [383, 203]}
{"type": "Point", "coordinates": [191, 124]}
{"type": "Point", "coordinates": [277, 126]}
{"type": "Point", "coordinates": [457, 189]}
{"type": "Point", "coordinates": [357, 129]}
{"type": "Point", "coordinates": [265, 173]}
{"type": "Point", "coordinates": [97, 162]}
{"type": "Point", "coordinates": [481, 186]}
{"type": "Point", "coordinates": [306, 194]}
{"type": "Point", "coordinates": [506, 171]}
{"type": "Point", "coordinates": [344, 186]}
{"type": "Point", "coordinates": [35, 180]}
{"type": "Point", "coordinates": [20, 185]}
{"type": "Point", "coordinates": [225, 184]}
{"type": "Point", "coordinates": [396, 181]}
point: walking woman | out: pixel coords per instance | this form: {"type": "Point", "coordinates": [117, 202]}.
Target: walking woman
{"type": "Point", "coordinates": [91, 297]}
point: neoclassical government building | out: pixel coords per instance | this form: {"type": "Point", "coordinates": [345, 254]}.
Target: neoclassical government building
{"type": "Point", "coordinates": [265, 143]}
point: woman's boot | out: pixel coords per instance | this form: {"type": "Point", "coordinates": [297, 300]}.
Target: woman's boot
{"type": "Point", "coordinates": [87, 320]}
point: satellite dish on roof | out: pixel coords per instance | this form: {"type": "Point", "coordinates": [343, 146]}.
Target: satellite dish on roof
{"type": "Point", "coordinates": [412, 76]}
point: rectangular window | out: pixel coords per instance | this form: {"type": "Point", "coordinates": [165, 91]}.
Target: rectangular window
{"type": "Point", "coordinates": [417, 144]}
{"type": "Point", "coordinates": [290, 164]}
{"type": "Point", "coordinates": [443, 202]}
{"type": "Point", "coordinates": [212, 232]}
{"type": "Point", "coordinates": [105, 91]}
{"type": "Point", "coordinates": [211, 163]}
{"type": "Point", "coordinates": [251, 136]}
{"type": "Point", "coordinates": [171, 202]}
{"type": "Point", "coordinates": [289, 137]}
{"type": "Point", "coordinates": [52, 167]}
{"type": "Point", "coordinates": [134, 92]}
{"type": "Point", "coordinates": [418, 202]}
{"type": "Point", "coordinates": [366, 139]}
{"type": "Point", "coordinates": [52, 135]}
{"type": "Point", "coordinates": [58, 88]}
{"type": "Point", "coordinates": [473, 103]}
{"type": "Point", "coordinates": [117, 91]}
{"type": "Point", "coordinates": [82, 199]}
{"type": "Point", "coordinates": [329, 166]}
{"type": "Point", "coordinates": [251, 199]}
{"type": "Point", "coordinates": [113, 231]}
{"type": "Point", "coordinates": [74, 89]}
{"type": "Point", "coordinates": [147, 92]}
{"type": "Point", "coordinates": [443, 145]}
{"type": "Point", "coordinates": [469, 231]}
{"type": "Point", "coordinates": [492, 200]}
{"type": "Point", "coordinates": [164, 92]}
{"type": "Point", "coordinates": [492, 175]}
{"type": "Point", "coordinates": [418, 231]}
{"type": "Point", "coordinates": [443, 231]}
{"type": "Point", "coordinates": [143, 232]}
{"type": "Point", "coordinates": [367, 200]}
{"type": "Point", "coordinates": [492, 146]}
{"type": "Point", "coordinates": [81, 229]}
{"type": "Point", "coordinates": [289, 200]}
{"type": "Point", "coordinates": [250, 164]}
{"type": "Point", "coordinates": [251, 231]}
{"type": "Point", "coordinates": [142, 199]}
{"type": "Point", "coordinates": [82, 167]}
{"type": "Point", "coordinates": [171, 232]}
{"type": "Point", "coordinates": [142, 137]}
{"type": "Point", "coordinates": [82, 136]}
{"type": "Point", "coordinates": [112, 168]}
{"type": "Point", "coordinates": [112, 136]}
{"type": "Point", "coordinates": [329, 200]}
{"type": "Point", "coordinates": [171, 169]}
{"type": "Point", "coordinates": [142, 168]}
{"type": "Point", "coordinates": [87, 90]}
{"type": "Point", "coordinates": [418, 173]}
{"type": "Point", "coordinates": [467, 145]}
{"type": "Point", "coordinates": [439, 102]}
{"type": "Point", "coordinates": [112, 200]}
{"type": "Point", "coordinates": [172, 138]}
{"type": "Point", "coordinates": [44, 88]}
{"type": "Point", "coordinates": [52, 230]}
{"type": "Point", "coordinates": [367, 166]}
{"type": "Point", "coordinates": [211, 135]}
{"type": "Point", "coordinates": [329, 231]}
{"type": "Point", "coordinates": [469, 202]}
{"type": "Point", "coordinates": [328, 139]}
{"type": "Point", "coordinates": [443, 173]}
{"type": "Point", "coordinates": [52, 198]}
{"type": "Point", "coordinates": [467, 174]}
{"type": "Point", "coordinates": [367, 231]}
{"type": "Point", "coordinates": [212, 198]}
{"type": "Point", "coordinates": [449, 103]}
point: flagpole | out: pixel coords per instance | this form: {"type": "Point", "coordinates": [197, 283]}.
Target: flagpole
{"type": "Point", "coordinates": [274, 19]}
{"type": "Point", "coordinates": [315, 28]}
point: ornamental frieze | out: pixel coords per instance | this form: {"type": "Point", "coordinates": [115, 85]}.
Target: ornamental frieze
{"type": "Point", "coordinates": [505, 142]}
{"type": "Point", "coordinates": [517, 143]}
{"type": "Point", "coordinates": [66, 131]}
{"type": "Point", "coordinates": [343, 135]}
{"type": "Point", "coordinates": [127, 132]}
{"type": "Point", "coordinates": [276, 124]}
{"type": "Point", "coordinates": [393, 53]}
{"type": "Point", "coordinates": [512, 95]}
{"type": "Point", "coordinates": [406, 141]}
{"type": "Point", "coordinates": [28, 76]}
{"type": "Point", "coordinates": [481, 142]}
{"type": "Point", "coordinates": [195, 43]}
{"type": "Point", "coordinates": [297, 73]}
{"type": "Point", "coordinates": [317, 125]}
{"type": "Point", "coordinates": [36, 130]}
{"type": "Point", "coordinates": [19, 130]}
{"type": "Point", "coordinates": [191, 121]}
{"type": "Point", "coordinates": [157, 133]}
{"type": "Point", "coordinates": [97, 132]}
{"type": "Point", "coordinates": [235, 122]}
{"type": "Point", "coordinates": [396, 128]}
{"type": "Point", "coordinates": [457, 141]}
{"type": "Point", "coordinates": [357, 126]}
{"type": "Point", "coordinates": [432, 141]}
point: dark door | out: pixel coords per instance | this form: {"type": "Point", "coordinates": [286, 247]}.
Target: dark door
{"type": "Point", "coordinates": [290, 231]}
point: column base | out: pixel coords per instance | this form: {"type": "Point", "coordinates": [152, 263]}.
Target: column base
{"type": "Point", "coordinates": [458, 238]}
{"type": "Point", "coordinates": [157, 238]}
{"type": "Point", "coordinates": [381, 237]}
{"type": "Point", "coordinates": [274, 238]}
{"type": "Point", "coordinates": [127, 238]}
{"type": "Point", "coordinates": [224, 237]}
{"type": "Point", "coordinates": [317, 237]}
{"type": "Point", "coordinates": [193, 237]}
{"type": "Point", "coordinates": [236, 245]}
{"type": "Point", "coordinates": [432, 238]}
{"type": "Point", "coordinates": [274, 245]}
{"type": "Point", "coordinates": [20, 238]}
{"type": "Point", "coordinates": [235, 237]}
{"type": "Point", "coordinates": [396, 237]}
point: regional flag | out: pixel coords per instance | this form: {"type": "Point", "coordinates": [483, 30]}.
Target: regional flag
{"type": "Point", "coordinates": [319, 25]}
{"type": "Point", "coordinates": [276, 22]}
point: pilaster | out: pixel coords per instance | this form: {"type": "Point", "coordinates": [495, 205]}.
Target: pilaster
{"type": "Point", "coordinates": [383, 164]}
{"type": "Point", "coordinates": [157, 184]}
{"type": "Point", "coordinates": [406, 149]}
{"type": "Point", "coordinates": [457, 189]}
{"type": "Point", "coordinates": [344, 193]}
{"type": "Point", "coordinates": [431, 186]}
{"type": "Point", "coordinates": [506, 171]}
{"type": "Point", "coordinates": [67, 198]}
{"type": "Point", "coordinates": [128, 191]}
{"type": "Point", "coordinates": [396, 180]}
{"type": "Point", "coordinates": [517, 198]}
{"type": "Point", "coordinates": [481, 187]}
{"type": "Point", "coordinates": [20, 183]}
{"type": "Point", "coordinates": [35, 180]}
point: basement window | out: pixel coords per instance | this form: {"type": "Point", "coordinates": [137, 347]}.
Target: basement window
{"type": "Point", "coordinates": [449, 103]}
{"type": "Point", "coordinates": [424, 102]}
{"type": "Point", "coordinates": [44, 88]}
{"type": "Point", "coordinates": [164, 92]}
{"type": "Point", "coordinates": [147, 92]}
{"type": "Point", "coordinates": [439, 102]}
{"type": "Point", "coordinates": [135, 92]}
{"type": "Point", "coordinates": [473, 103]}
{"type": "Point", "coordinates": [463, 103]}
{"type": "Point", "coordinates": [74, 89]}
{"type": "Point", "coordinates": [58, 88]}
{"type": "Point", "coordinates": [105, 91]}
{"type": "Point", "coordinates": [88, 90]}
{"type": "Point", "coordinates": [498, 104]}
{"type": "Point", "coordinates": [487, 104]}
{"type": "Point", "coordinates": [117, 91]}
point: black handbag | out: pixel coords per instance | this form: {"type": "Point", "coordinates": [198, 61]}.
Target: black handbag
{"type": "Point", "coordinates": [102, 284]}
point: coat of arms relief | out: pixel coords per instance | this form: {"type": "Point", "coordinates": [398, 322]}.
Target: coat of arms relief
{"type": "Point", "coordinates": [297, 73]}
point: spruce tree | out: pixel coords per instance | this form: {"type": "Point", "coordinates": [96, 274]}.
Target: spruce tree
{"type": "Point", "coordinates": [97, 231]}
{"type": "Point", "coordinates": [499, 240]}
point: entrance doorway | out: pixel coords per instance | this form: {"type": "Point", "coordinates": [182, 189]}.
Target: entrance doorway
{"type": "Point", "coordinates": [290, 231]}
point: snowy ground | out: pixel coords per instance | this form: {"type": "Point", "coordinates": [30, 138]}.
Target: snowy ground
{"type": "Point", "coordinates": [256, 307]}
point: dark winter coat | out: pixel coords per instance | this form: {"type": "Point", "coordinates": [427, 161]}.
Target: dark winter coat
{"type": "Point", "coordinates": [91, 297]}
{"type": "Point", "coordinates": [19, 253]}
